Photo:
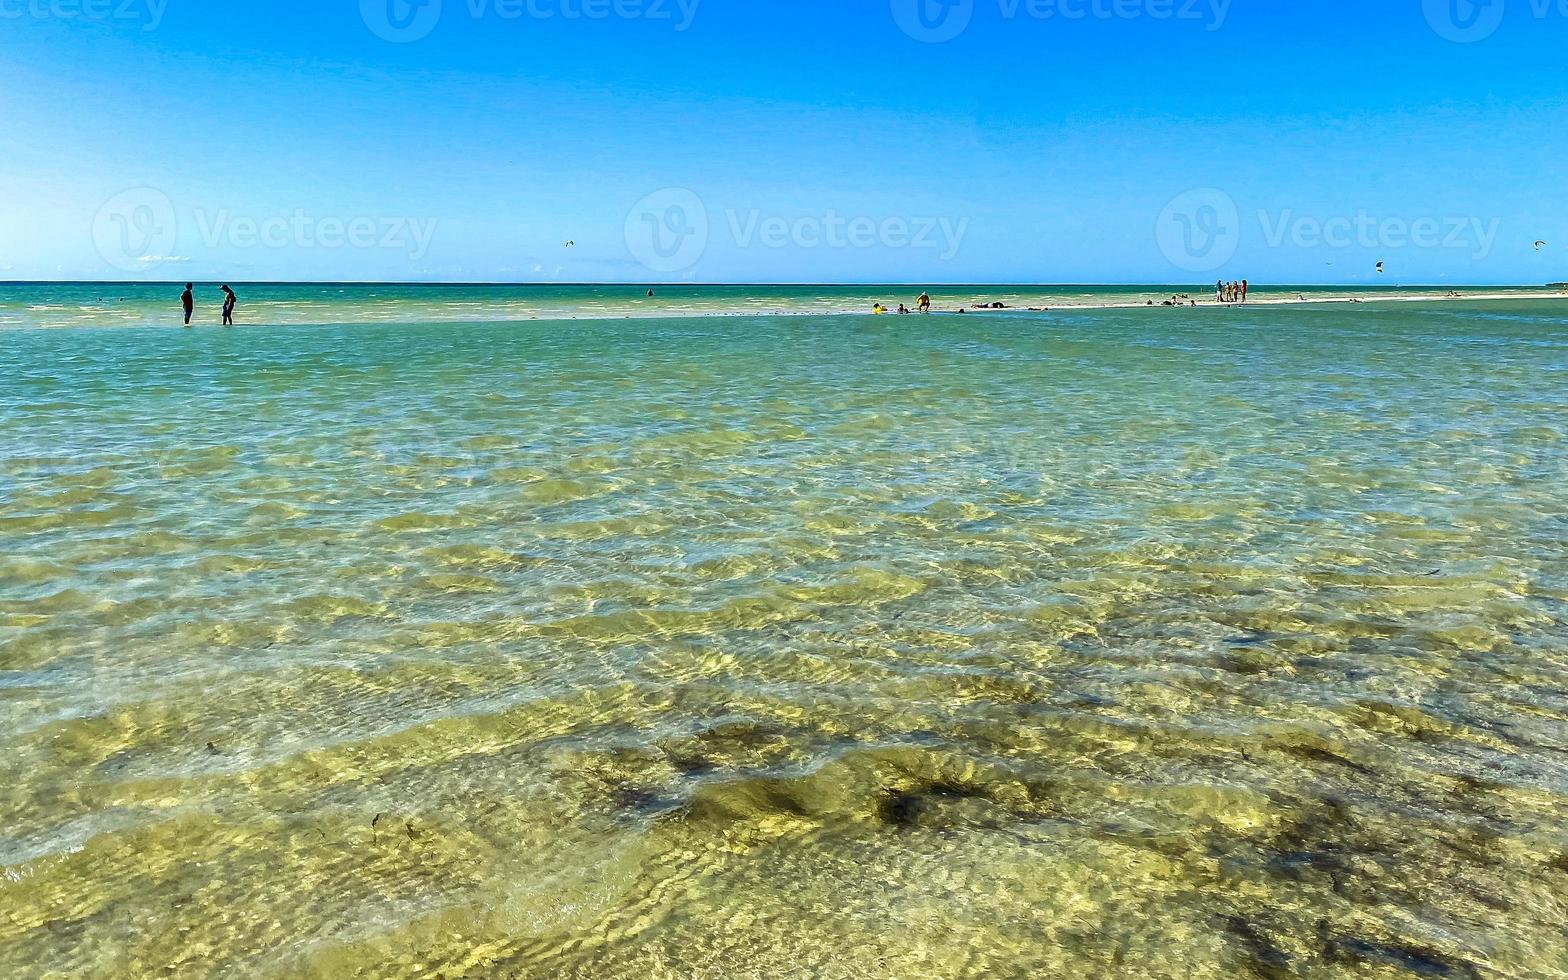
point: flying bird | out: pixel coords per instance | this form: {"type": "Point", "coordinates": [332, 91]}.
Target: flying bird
{"type": "Point", "coordinates": [1539, 246]}
{"type": "Point", "coordinates": [571, 244]}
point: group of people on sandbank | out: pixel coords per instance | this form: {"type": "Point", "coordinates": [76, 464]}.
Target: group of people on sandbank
{"type": "Point", "coordinates": [1224, 292]}
{"type": "Point", "coordinates": [188, 304]}
{"type": "Point", "coordinates": [923, 305]}
{"type": "Point", "coordinates": [1230, 292]}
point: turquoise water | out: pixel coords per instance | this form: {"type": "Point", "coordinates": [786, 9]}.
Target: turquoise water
{"type": "Point", "coordinates": [141, 304]}
{"type": "Point", "coordinates": [1178, 643]}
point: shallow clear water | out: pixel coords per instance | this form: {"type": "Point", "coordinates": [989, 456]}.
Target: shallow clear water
{"type": "Point", "coordinates": [1179, 644]}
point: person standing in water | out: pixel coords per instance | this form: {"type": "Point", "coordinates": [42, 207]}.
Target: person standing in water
{"type": "Point", "coordinates": [924, 302]}
{"type": "Point", "coordinates": [188, 302]}
{"type": "Point", "coordinates": [229, 299]}
{"type": "Point", "coordinates": [1244, 290]}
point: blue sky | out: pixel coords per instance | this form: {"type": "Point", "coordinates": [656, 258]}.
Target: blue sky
{"type": "Point", "coordinates": [764, 140]}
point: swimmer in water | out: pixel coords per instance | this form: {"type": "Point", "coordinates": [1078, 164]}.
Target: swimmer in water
{"type": "Point", "coordinates": [188, 302]}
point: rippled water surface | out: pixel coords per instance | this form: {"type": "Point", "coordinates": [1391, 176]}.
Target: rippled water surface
{"type": "Point", "coordinates": [1143, 643]}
